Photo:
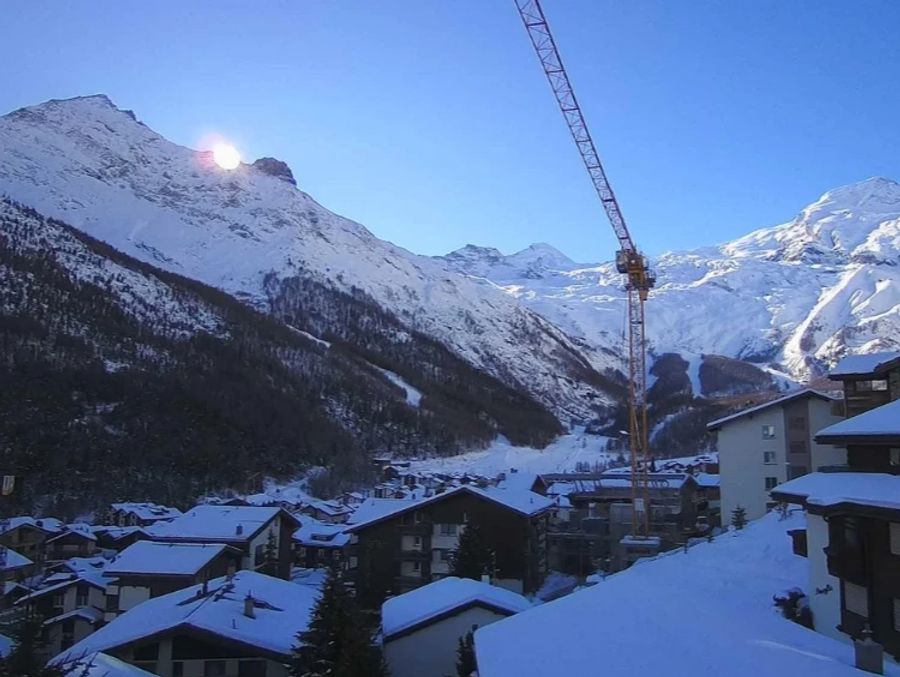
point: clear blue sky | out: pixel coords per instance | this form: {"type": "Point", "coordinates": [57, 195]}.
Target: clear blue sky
{"type": "Point", "coordinates": [430, 122]}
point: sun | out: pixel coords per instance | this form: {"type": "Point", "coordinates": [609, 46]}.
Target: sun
{"type": "Point", "coordinates": [226, 156]}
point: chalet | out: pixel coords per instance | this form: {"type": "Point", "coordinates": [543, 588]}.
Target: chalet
{"type": "Point", "coordinates": [75, 540]}
{"type": "Point", "coordinates": [869, 381]}
{"type": "Point", "coordinates": [853, 529]}
{"type": "Point", "coordinates": [140, 514]}
{"type": "Point", "coordinates": [245, 624]}
{"type": "Point", "coordinates": [149, 569]}
{"type": "Point", "coordinates": [399, 545]}
{"type": "Point", "coordinates": [421, 628]}
{"type": "Point", "coordinates": [333, 512]}
{"type": "Point", "coordinates": [72, 608]}
{"type": "Point", "coordinates": [27, 535]}
{"type": "Point", "coordinates": [319, 544]}
{"type": "Point", "coordinates": [263, 535]}
{"type": "Point", "coordinates": [771, 443]}
{"type": "Point", "coordinates": [115, 539]}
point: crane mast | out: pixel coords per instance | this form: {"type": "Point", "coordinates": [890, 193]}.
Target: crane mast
{"type": "Point", "coordinates": [629, 261]}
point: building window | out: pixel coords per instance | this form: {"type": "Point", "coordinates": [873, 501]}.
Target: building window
{"type": "Point", "coordinates": [895, 538]}
{"type": "Point", "coordinates": [771, 483]}
{"type": "Point", "coordinates": [253, 668]}
{"type": "Point", "coordinates": [450, 529]}
{"type": "Point", "coordinates": [214, 669]}
{"type": "Point", "coordinates": [894, 457]}
{"type": "Point", "coordinates": [856, 599]}
{"type": "Point", "coordinates": [769, 457]}
{"type": "Point", "coordinates": [768, 432]}
{"type": "Point", "coordinates": [877, 385]}
{"type": "Point", "coordinates": [81, 598]}
{"type": "Point", "coordinates": [897, 615]}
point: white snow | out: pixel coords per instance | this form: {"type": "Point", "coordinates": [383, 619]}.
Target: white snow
{"type": "Point", "coordinates": [148, 557]}
{"type": "Point", "coordinates": [102, 665]}
{"type": "Point", "coordinates": [376, 509]}
{"type": "Point", "coordinates": [320, 534]}
{"type": "Point", "coordinates": [91, 165]}
{"type": "Point", "coordinates": [863, 364]}
{"type": "Point", "coordinates": [704, 613]}
{"type": "Point", "coordinates": [802, 294]}
{"type": "Point", "coordinates": [147, 511]}
{"type": "Point", "coordinates": [13, 559]}
{"type": "Point", "coordinates": [281, 609]}
{"type": "Point", "coordinates": [215, 522]}
{"type": "Point", "coordinates": [435, 599]}
{"type": "Point", "coordinates": [883, 420]}
{"type": "Point", "coordinates": [413, 396]}
{"type": "Point", "coordinates": [830, 488]}
{"type": "Point", "coordinates": [561, 455]}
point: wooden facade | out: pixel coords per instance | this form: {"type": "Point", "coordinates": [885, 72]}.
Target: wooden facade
{"type": "Point", "coordinates": [865, 391]}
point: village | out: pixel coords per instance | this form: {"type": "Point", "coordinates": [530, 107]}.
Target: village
{"type": "Point", "coordinates": [227, 586]}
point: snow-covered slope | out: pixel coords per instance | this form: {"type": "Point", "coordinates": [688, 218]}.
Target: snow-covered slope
{"type": "Point", "coordinates": [250, 230]}
{"type": "Point", "coordinates": [797, 296]}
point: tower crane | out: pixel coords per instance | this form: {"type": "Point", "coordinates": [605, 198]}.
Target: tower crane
{"type": "Point", "coordinates": [639, 279]}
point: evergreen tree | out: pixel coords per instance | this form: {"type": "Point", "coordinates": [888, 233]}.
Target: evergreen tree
{"type": "Point", "coordinates": [339, 640]}
{"type": "Point", "coordinates": [465, 655]}
{"type": "Point", "coordinates": [27, 656]}
{"type": "Point", "coordinates": [473, 556]}
{"type": "Point", "coordinates": [739, 517]}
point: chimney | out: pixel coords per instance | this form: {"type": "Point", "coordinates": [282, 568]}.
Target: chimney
{"type": "Point", "coordinates": [248, 606]}
{"type": "Point", "coordinates": [239, 529]}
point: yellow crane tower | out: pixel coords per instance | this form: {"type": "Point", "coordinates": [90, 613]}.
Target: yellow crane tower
{"type": "Point", "coordinates": [639, 279]}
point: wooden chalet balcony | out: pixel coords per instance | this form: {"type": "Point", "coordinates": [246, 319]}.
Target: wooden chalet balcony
{"type": "Point", "coordinates": [847, 564]}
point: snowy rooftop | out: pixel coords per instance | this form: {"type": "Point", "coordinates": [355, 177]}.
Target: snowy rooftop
{"type": "Point", "coordinates": [863, 365]}
{"type": "Point", "coordinates": [321, 535]}
{"type": "Point", "coordinates": [103, 665]}
{"type": "Point", "coordinates": [48, 524]}
{"type": "Point", "coordinates": [147, 511]}
{"type": "Point", "coordinates": [881, 421]}
{"type": "Point", "coordinates": [167, 559]}
{"type": "Point", "coordinates": [415, 608]}
{"type": "Point", "coordinates": [522, 501]}
{"type": "Point", "coordinates": [281, 609]}
{"type": "Point", "coordinates": [831, 488]}
{"type": "Point", "coordinates": [79, 529]}
{"type": "Point", "coordinates": [215, 522]}
{"type": "Point", "coordinates": [806, 392]}
{"type": "Point", "coordinates": [13, 560]}
{"type": "Point", "coordinates": [705, 613]}
{"type": "Point", "coordinates": [61, 582]}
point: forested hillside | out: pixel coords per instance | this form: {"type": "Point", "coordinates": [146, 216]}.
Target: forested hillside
{"type": "Point", "coordinates": [121, 380]}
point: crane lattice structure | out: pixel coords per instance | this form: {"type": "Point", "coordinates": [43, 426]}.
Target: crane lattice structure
{"type": "Point", "coordinates": [639, 279]}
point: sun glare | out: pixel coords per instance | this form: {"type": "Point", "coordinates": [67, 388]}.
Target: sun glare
{"type": "Point", "coordinates": [226, 156]}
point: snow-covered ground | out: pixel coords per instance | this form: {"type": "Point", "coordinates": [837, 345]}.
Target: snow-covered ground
{"type": "Point", "coordinates": [704, 613]}
{"type": "Point", "coordinates": [502, 457]}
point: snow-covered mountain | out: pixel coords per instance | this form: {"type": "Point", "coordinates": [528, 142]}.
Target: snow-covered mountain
{"type": "Point", "coordinates": [252, 233]}
{"type": "Point", "coordinates": [790, 299]}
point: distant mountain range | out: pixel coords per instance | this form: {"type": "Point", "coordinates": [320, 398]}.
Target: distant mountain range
{"type": "Point", "coordinates": [241, 279]}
